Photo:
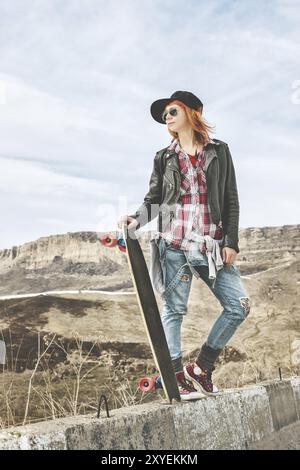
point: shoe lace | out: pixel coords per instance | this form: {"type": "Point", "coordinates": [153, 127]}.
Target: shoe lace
{"type": "Point", "coordinates": [207, 376]}
{"type": "Point", "coordinates": [186, 385]}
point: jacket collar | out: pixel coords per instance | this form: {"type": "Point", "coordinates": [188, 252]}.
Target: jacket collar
{"type": "Point", "coordinates": [173, 148]}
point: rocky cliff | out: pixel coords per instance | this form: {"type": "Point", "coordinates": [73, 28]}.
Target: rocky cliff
{"type": "Point", "coordinates": [74, 260]}
{"type": "Point", "coordinates": [106, 332]}
{"type": "Point", "coordinates": [78, 260]}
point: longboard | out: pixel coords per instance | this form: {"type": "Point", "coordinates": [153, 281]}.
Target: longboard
{"type": "Point", "coordinates": [150, 314]}
{"type": "Point", "coordinates": [128, 243]}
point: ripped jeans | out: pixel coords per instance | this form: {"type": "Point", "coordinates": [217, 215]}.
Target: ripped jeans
{"type": "Point", "coordinates": [178, 267]}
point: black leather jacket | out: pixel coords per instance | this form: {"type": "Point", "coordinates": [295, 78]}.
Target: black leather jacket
{"type": "Point", "coordinates": [222, 193]}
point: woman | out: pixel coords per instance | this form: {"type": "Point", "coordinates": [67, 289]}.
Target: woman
{"type": "Point", "coordinates": [193, 191]}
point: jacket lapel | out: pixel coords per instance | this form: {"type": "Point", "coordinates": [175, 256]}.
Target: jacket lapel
{"type": "Point", "coordinates": [172, 157]}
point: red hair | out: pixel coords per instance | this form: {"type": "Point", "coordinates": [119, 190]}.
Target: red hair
{"type": "Point", "coordinates": [197, 123]}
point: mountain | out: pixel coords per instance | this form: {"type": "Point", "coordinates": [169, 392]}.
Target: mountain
{"type": "Point", "coordinates": [79, 261]}
{"type": "Point", "coordinates": [107, 326]}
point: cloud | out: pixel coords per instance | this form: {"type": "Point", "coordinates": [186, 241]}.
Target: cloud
{"type": "Point", "coordinates": [76, 86]}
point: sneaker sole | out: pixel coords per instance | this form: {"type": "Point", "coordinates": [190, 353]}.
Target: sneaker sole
{"type": "Point", "coordinates": [199, 386]}
{"type": "Point", "coordinates": [190, 398]}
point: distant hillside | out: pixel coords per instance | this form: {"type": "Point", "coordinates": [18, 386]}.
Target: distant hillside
{"type": "Point", "coordinates": [79, 261]}
{"type": "Point", "coordinates": [104, 331]}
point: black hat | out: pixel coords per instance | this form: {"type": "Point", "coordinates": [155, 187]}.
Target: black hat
{"type": "Point", "coordinates": [158, 106]}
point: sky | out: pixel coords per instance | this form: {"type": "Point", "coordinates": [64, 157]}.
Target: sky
{"type": "Point", "coordinates": [77, 79]}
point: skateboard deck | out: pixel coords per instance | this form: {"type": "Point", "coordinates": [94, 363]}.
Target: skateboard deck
{"type": "Point", "coordinates": [150, 314]}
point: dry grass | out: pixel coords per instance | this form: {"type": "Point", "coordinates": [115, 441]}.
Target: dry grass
{"type": "Point", "coordinates": [42, 394]}
{"type": "Point", "coordinates": [73, 387]}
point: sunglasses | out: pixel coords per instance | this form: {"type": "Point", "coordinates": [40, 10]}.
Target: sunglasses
{"type": "Point", "coordinates": [172, 111]}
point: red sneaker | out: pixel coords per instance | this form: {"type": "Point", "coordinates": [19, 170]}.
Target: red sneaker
{"type": "Point", "coordinates": [200, 378]}
{"type": "Point", "coordinates": [186, 389]}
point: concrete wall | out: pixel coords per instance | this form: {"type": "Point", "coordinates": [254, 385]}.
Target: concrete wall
{"type": "Point", "coordinates": [233, 420]}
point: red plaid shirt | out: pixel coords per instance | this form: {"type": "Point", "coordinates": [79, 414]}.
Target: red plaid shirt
{"type": "Point", "coordinates": [192, 218]}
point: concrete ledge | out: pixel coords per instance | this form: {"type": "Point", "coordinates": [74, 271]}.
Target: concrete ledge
{"type": "Point", "coordinates": [282, 404]}
{"type": "Point", "coordinates": [234, 420]}
{"type": "Point", "coordinates": [295, 384]}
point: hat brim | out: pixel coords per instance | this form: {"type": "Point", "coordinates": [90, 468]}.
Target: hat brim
{"type": "Point", "coordinates": [157, 108]}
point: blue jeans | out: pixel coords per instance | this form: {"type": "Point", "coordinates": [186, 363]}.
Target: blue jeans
{"type": "Point", "coordinates": [178, 267]}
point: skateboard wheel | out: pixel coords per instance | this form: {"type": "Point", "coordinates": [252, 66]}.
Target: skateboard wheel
{"type": "Point", "coordinates": [108, 240]}
{"type": "Point", "coordinates": [121, 244]}
{"type": "Point", "coordinates": [146, 384]}
{"type": "Point", "coordinates": [158, 382]}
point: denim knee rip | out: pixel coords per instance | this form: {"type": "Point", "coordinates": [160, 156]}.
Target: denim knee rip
{"type": "Point", "coordinates": [245, 303]}
{"type": "Point", "coordinates": [236, 309]}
